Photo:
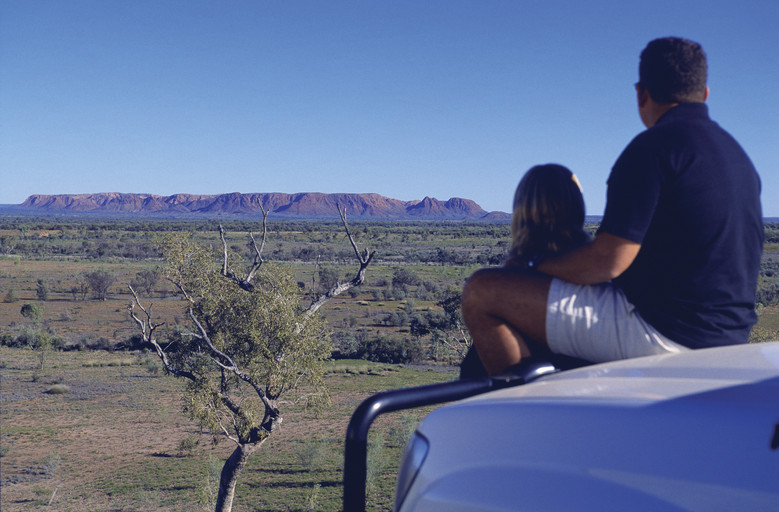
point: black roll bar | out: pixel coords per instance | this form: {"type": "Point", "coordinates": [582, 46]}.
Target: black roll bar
{"type": "Point", "coordinates": [356, 447]}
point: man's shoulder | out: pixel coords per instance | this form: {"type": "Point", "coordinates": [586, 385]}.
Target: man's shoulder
{"type": "Point", "coordinates": [683, 128]}
{"type": "Point", "coordinates": [684, 117]}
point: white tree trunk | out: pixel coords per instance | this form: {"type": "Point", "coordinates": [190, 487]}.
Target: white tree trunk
{"type": "Point", "coordinates": [230, 473]}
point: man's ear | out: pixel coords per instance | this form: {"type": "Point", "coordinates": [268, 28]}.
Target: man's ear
{"type": "Point", "coordinates": [706, 94]}
{"type": "Point", "coordinates": [642, 95]}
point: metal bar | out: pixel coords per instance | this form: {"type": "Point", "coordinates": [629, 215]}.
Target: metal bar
{"type": "Point", "coordinates": [356, 447]}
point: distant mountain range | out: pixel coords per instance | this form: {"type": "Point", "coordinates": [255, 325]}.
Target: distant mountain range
{"type": "Point", "coordinates": [301, 205]}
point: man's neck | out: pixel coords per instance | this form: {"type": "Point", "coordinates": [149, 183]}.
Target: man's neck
{"type": "Point", "coordinates": [653, 111]}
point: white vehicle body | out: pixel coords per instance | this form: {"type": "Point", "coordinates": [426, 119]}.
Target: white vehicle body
{"type": "Point", "coordinates": [696, 431]}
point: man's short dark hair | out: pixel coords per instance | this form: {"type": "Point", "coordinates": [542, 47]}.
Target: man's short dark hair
{"type": "Point", "coordinates": [673, 70]}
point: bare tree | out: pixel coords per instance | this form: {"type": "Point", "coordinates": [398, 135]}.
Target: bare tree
{"type": "Point", "coordinates": [100, 282]}
{"type": "Point", "coordinates": [145, 281]}
{"type": "Point", "coordinates": [245, 332]}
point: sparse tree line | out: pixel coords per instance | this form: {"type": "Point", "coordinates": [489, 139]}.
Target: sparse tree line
{"type": "Point", "coordinates": [304, 241]}
{"type": "Point", "coordinates": [434, 243]}
{"type": "Point", "coordinates": [416, 335]}
{"type": "Point", "coordinates": [409, 327]}
{"type": "Point", "coordinates": [95, 284]}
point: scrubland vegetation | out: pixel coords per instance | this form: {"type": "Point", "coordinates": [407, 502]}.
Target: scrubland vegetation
{"type": "Point", "coordinates": [91, 422]}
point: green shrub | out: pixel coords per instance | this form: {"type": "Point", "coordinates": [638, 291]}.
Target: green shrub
{"type": "Point", "coordinates": [761, 335]}
{"type": "Point", "coordinates": [58, 343]}
{"type": "Point", "coordinates": [58, 389]}
{"type": "Point", "coordinates": [26, 337]}
{"type": "Point", "coordinates": [345, 345]}
{"type": "Point", "coordinates": [100, 282]}
{"type": "Point", "coordinates": [400, 433]}
{"type": "Point", "coordinates": [151, 365]}
{"type": "Point", "coordinates": [328, 278]}
{"type": "Point", "coordinates": [186, 446]}
{"type": "Point", "coordinates": [311, 453]}
{"type": "Point", "coordinates": [47, 466]}
{"type": "Point", "coordinates": [30, 337]}
{"type": "Point", "coordinates": [136, 342]}
{"type": "Point", "coordinates": [10, 296]}
{"type": "Point", "coordinates": [42, 290]}
{"type": "Point", "coordinates": [7, 340]}
{"type": "Point", "coordinates": [32, 311]}
{"type": "Point", "coordinates": [102, 343]}
{"type": "Point", "coordinates": [312, 500]}
{"type": "Point", "coordinates": [404, 277]}
{"type": "Point", "coordinates": [382, 349]}
{"type": "Point", "coordinates": [391, 349]}
{"type": "Point", "coordinates": [377, 460]}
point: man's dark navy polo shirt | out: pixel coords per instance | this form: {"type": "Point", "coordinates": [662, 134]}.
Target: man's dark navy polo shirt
{"type": "Point", "coordinates": [688, 193]}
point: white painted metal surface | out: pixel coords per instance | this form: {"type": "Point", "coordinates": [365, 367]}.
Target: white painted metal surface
{"type": "Point", "coordinates": [695, 431]}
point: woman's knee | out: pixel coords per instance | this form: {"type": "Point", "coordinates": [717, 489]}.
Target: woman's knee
{"type": "Point", "coordinates": [505, 293]}
{"type": "Point", "coordinates": [475, 292]}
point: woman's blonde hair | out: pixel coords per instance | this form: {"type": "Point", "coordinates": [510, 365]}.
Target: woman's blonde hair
{"type": "Point", "coordinates": [548, 213]}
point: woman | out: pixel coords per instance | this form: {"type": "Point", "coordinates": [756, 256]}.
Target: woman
{"type": "Point", "coordinates": [548, 215]}
{"type": "Point", "coordinates": [548, 218]}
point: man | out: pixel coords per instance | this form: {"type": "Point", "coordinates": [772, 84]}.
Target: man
{"type": "Point", "coordinates": [674, 265]}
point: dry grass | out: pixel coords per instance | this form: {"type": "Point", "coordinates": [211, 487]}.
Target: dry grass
{"type": "Point", "coordinates": [113, 442]}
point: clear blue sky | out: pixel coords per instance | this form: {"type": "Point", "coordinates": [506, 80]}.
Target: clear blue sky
{"type": "Point", "coordinates": [406, 99]}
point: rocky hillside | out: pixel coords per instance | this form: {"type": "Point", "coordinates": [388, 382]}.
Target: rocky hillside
{"type": "Point", "coordinates": [302, 205]}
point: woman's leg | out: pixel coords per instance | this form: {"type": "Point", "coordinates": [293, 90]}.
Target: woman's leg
{"type": "Point", "coordinates": [504, 309]}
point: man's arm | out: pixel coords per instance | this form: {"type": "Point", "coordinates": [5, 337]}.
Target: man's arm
{"type": "Point", "coordinates": [605, 258]}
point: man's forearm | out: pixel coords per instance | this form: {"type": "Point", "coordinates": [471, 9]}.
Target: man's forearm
{"type": "Point", "coordinates": [602, 260]}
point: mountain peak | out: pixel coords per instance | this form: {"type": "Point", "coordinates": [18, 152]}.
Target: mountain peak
{"type": "Point", "coordinates": [299, 205]}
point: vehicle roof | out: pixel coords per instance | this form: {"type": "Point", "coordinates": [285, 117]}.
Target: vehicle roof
{"type": "Point", "coordinates": [693, 431]}
{"type": "Point", "coordinates": [664, 377]}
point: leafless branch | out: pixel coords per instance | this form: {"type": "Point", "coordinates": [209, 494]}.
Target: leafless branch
{"type": "Point", "coordinates": [359, 278]}
{"type": "Point", "coordinates": [362, 258]}
{"type": "Point", "coordinates": [258, 261]}
{"type": "Point", "coordinates": [225, 271]}
{"type": "Point", "coordinates": [465, 339]}
{"type": "Point", "coordinates": [217, 355]}
{"type": "Point", "coordinates": [246, 283]}
{"type": "Point", "coordinates": [148, 327]}
{"type": "Point", "coordinates": [224, 430]}
{"type": "Point", "coordinates": [181, 288]}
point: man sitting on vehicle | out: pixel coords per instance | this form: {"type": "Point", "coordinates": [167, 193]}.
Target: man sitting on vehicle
{"type": "Point", "coordinates": [675, 263]}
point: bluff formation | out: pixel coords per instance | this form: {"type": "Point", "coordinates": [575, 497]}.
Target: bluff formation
{"type": "Point", "coordinates": [302, 205]}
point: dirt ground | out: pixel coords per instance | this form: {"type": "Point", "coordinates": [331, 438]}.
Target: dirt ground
{"type": "Point", "coordinates": [70, 441]}
{"type": "Point", "coordinates": [111, 442]}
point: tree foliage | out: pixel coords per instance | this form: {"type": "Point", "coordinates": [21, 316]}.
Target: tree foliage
{"type": "Point", "coordinates": [328, 278]}
{"type": "Point", "coordinates": [42, 290]}
{"type": "Point", "coordinates": [31, 311]}
{"type": "Point", "coordinates": [264, 332]}
{"type": "Point", "coordinates": [404, 277]}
